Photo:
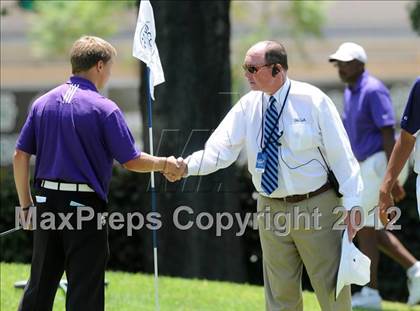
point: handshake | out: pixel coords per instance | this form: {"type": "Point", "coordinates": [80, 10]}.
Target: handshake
{"type": "Point", "coordinates": [174, 169]}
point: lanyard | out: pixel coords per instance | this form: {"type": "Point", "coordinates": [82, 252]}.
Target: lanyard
{"type": "Point", "coordinates": [277, 121]}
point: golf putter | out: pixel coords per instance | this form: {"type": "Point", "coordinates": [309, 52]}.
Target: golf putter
{"type": "Point", "coordinates": [63, 284]}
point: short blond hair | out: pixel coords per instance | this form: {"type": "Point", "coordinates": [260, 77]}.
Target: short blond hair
{"type": "Point", "coordinates": [87, 51]}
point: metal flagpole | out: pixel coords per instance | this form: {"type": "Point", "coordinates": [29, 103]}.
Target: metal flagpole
{"type": "Point", "coordinates": [152, 187]}
{"type": "Point", "coordinates": [145, 49]}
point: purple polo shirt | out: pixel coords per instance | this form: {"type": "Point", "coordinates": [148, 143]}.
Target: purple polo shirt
{"type": "Point", "coordinates": [411, 120]}
{"type": "Point", "coordinates": [411, 116]}
{"type": "Point", "coordinates": [75, 133]}
{"type": "Point", "coordinates": [367, 109]}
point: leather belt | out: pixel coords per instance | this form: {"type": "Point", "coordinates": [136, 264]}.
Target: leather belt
{"type": "Point", "coordinates": [63, 186]}
{"type": "Point", "coordinates": [300, 197]}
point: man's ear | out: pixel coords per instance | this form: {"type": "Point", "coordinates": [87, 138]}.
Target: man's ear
{"type": "Point", "coordinates": [275, 70]}
{"type": "Point", "coordinates": [100, 65]}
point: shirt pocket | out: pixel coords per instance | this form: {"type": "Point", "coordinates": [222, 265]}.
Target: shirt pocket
{"type": "Point", "coordinates": [300, 136]}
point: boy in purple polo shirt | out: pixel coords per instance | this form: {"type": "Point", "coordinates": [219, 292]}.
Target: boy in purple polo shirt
{"type": "Point", "coordinates": [410, 125]}
{"type": "Point", "coordinates": [75, 134]}
{"type": "Point", "coordinates": [368, 118]}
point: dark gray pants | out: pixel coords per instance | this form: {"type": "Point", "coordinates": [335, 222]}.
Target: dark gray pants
{"type": "Point", "coordinates": [82, 254]}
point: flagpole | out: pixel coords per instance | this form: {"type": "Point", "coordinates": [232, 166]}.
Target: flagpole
{"type": "Point", "coordinates": [145, 49]}
{"type": "Point", "coordinates": [152, 186]}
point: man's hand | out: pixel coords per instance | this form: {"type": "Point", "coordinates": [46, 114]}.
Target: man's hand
{"type": "Point", "coordinates": [353, 223]}
{"type": "Point", "coordinates": [398, 192]}
{"type": "Point", "coordinates": [175, 169]}
{"type": "Point", "coordinates": [24, 213]}
{"type": "Point", "coordinates": [385, 202]}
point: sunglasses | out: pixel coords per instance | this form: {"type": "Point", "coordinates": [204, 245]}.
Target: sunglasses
{"type": "Point", "coordinates": [254, 69]}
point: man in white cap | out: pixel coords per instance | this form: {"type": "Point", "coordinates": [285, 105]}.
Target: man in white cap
{"type": "Point", "coordinates": [369, 120]}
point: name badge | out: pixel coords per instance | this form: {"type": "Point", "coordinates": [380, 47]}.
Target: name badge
{"type": "Point", "coordinates": [261, 162]}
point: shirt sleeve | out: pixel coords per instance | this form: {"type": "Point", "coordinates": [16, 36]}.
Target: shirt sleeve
{"type": "Point", "coordinates": [26, 140]}
{"type": "Point", "coordinates": [381, 109]}
{"type": "Point", "coordinates": [411, 116]}
{"type": "Point", "coordinates": [118, 138]}
{"type": "Point", "coordinates": [223, 146]}
{"type": "Point", "coordinates": [339, 154]}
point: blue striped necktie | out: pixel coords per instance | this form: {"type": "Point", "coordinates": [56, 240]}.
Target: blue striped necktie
{"type": "Point", "coordinates": [269, 181]}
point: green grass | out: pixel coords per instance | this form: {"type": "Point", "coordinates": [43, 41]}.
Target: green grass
{"type": "Point", "coordinates": [128, 291]}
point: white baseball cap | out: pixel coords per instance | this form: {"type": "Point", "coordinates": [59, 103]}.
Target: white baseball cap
{"type": "Point", "coordinates": [349, 51]}
{"type": "Point", "coordinates": [354, 266]}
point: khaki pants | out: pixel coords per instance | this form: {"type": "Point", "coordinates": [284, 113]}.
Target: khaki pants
{"type": "Point", "coordinates": [287, 244]}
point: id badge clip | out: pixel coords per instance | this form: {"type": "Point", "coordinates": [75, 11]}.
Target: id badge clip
{"type": "Point", "coordinates": [261, 162]}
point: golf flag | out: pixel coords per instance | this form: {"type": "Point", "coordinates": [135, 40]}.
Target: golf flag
{"type": "Point", "coordinates": [144, 46]}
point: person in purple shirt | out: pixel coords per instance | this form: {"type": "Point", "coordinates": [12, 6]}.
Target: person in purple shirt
{"type": "Point", "coordinates": [75, 134]}
{"type": "Point", "coordinates": [410, 125]}
{"type": "Point", "coordinates": [369, 120]}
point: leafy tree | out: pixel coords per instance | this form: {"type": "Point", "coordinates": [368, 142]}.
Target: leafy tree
{"type": "Point", "coordinates": [272, 19]}
{"type": "Point", "coordinates": [415, 16]}
{"type": "Point", "coordinates": [58, 23]}
{"type": "Point", "coordinates": [307, 19]}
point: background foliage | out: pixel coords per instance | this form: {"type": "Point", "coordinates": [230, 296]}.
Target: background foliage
{"type": "Point", "coordinates": [65, 21]}
{"type": "Point", "coordinates": [414, 11]}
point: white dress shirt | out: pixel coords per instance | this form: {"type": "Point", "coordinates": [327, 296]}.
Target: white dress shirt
{"type": "Point", "coordinates": [309, 120]}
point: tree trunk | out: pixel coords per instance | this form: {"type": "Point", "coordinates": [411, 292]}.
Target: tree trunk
{"type": "Point", "coordinates": [193, 42]}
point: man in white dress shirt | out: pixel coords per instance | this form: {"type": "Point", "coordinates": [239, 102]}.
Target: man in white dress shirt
{"type": "Point", "coordinates": [281, 123]}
